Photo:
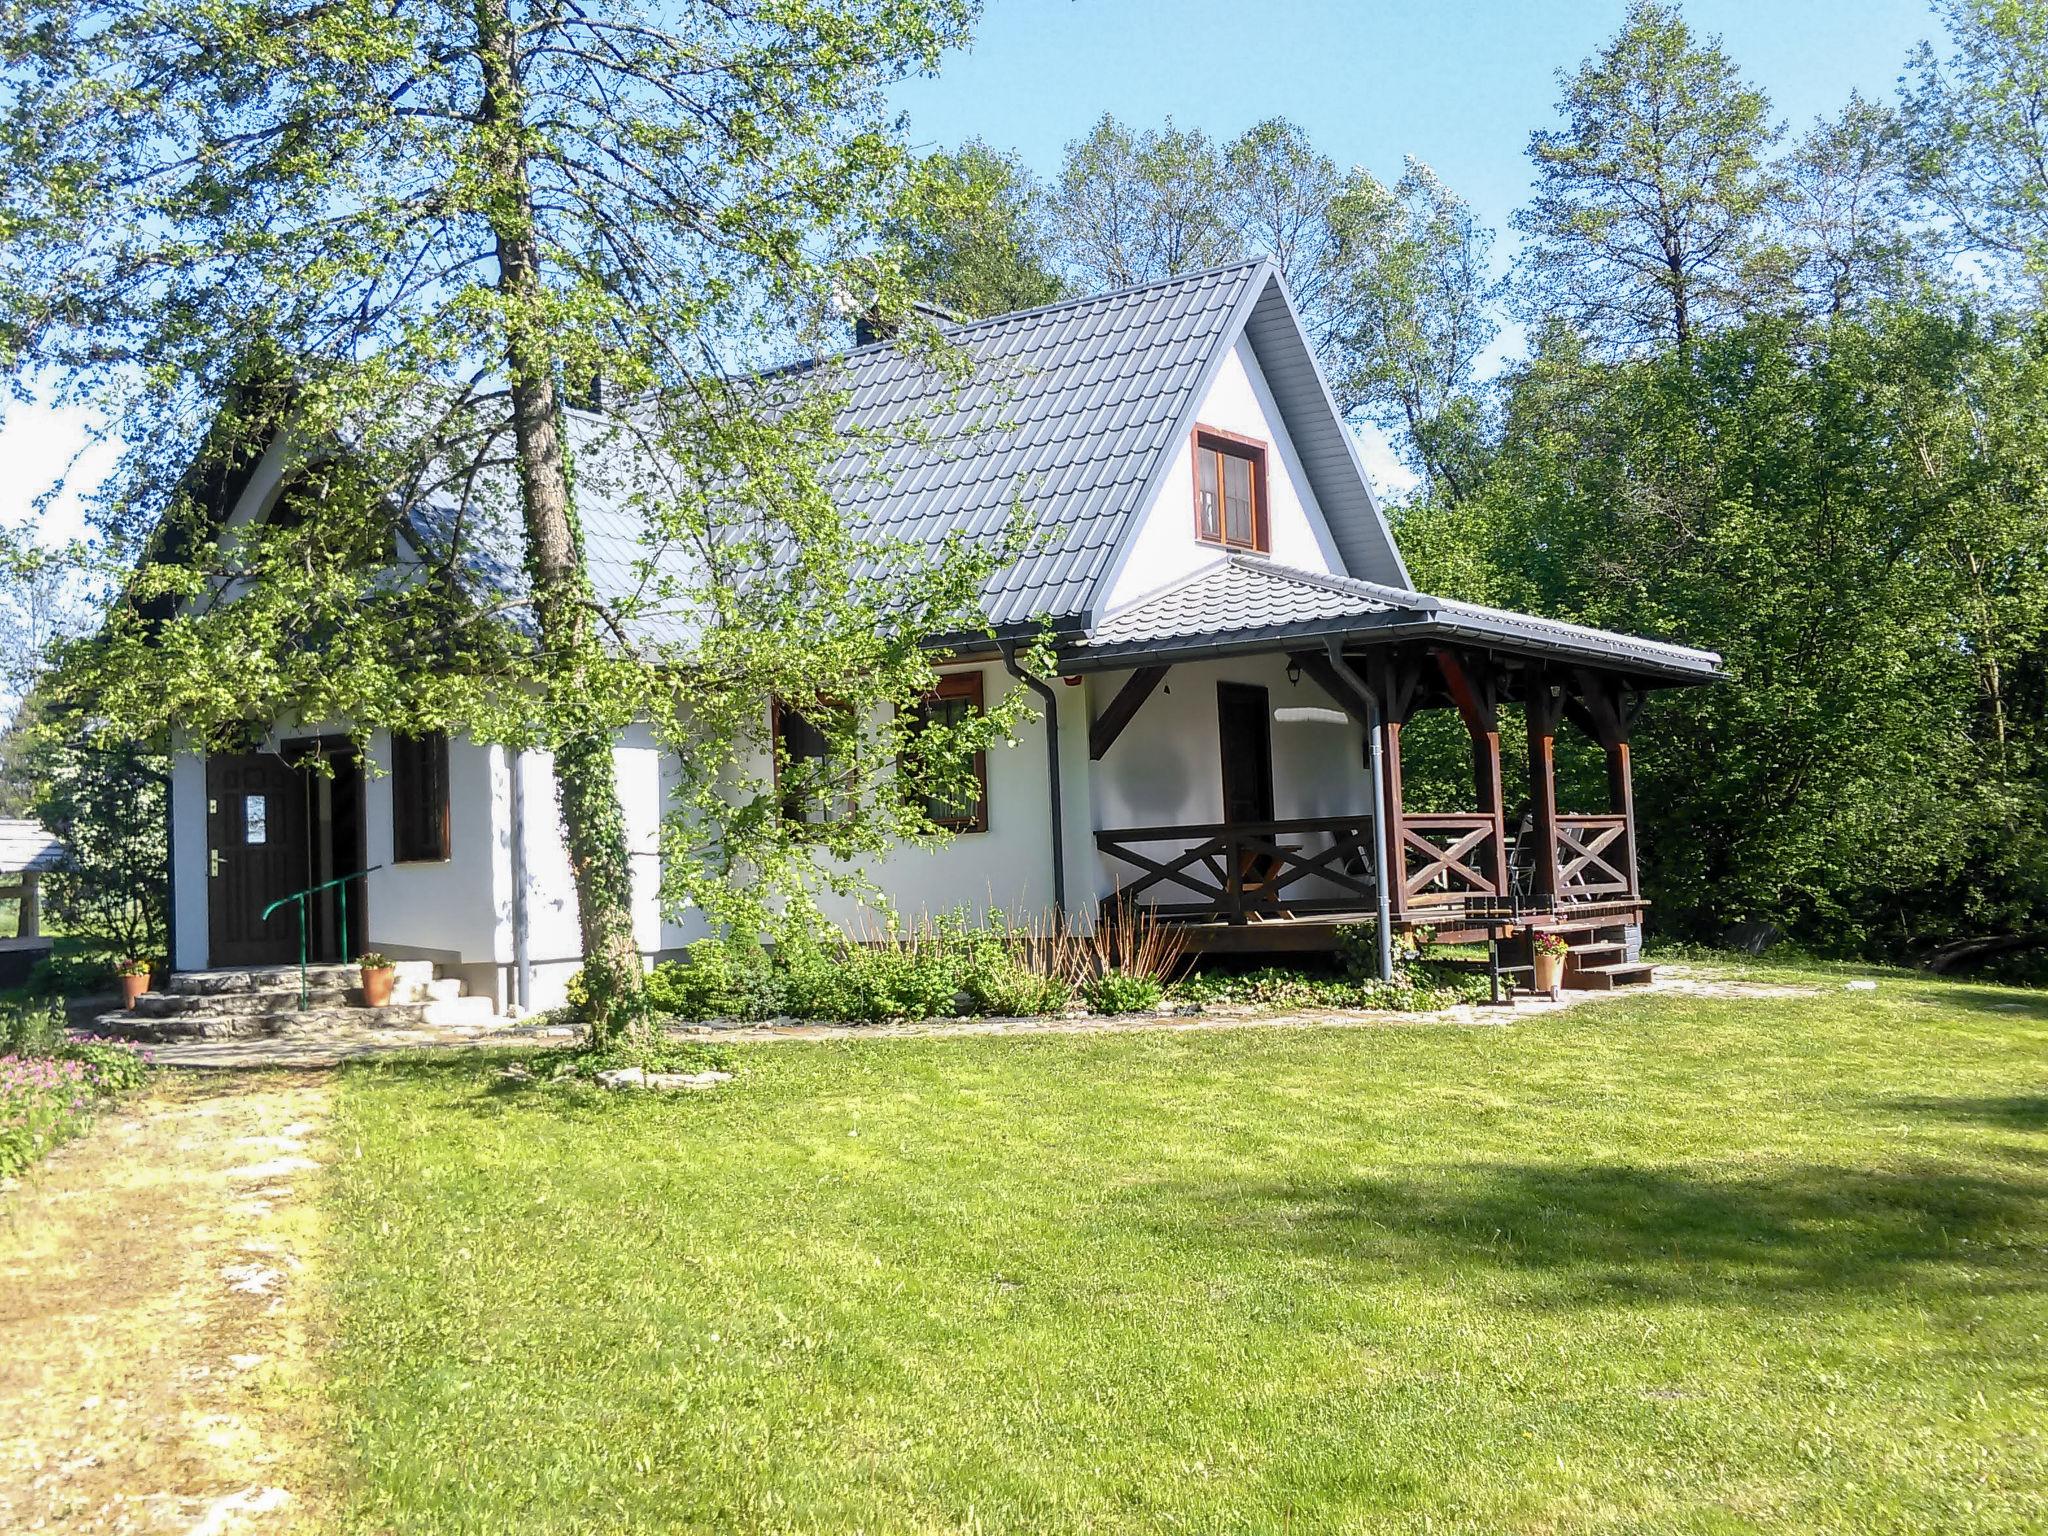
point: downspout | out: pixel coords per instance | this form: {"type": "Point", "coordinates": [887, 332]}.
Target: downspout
{"type": "Point", "coordinates": [522, 957]}
{"type": "Point", "coordinates": [1052, 768]}
{"type": "Point", "coordinates": [1380, 873]}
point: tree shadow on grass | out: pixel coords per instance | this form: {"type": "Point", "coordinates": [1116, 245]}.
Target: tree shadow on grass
{"type": "Point", "coordinates": [1569, 1236]}
{"type": "Point", "coordinates": [2012, 1112]}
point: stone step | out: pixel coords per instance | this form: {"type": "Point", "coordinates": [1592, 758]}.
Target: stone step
{"type": "Point", "coordinates": [171, 1005]}
{"type": "Point", "coordinates": [474, 1013]}
{"type": "Point", "coordinates": [411, 974]}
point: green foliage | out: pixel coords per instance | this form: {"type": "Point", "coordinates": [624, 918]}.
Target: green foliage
{"type": "Point", "coordinates": [969, 236]}
{"type": "Point", "coordinates": [1416, 988]}
{"type": "Point", "coordinates": [50, 1085]}
{"type": "Point", "coordinates": [1855, 514]}
{"type": "Point", "coordinates": [1650, 202]}
{"type": "Point", "coordinates": [424, 225]}
{"type": "Point", "coordinates": [722, 979]}
{"type": "Point", "coordinates": [1976, 136]}
{"type": "Point", "coordinates": [106, 801]}
{"type": "Point", "coordinates": [1116, 992]}
{"type": "Point", "coordinates": [32, 1028]}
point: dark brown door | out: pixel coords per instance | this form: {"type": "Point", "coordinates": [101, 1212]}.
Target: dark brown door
{"type": "Point", "coordinates": [1244, 725]}
{"type": "Point", "coordinates": [257, 851]}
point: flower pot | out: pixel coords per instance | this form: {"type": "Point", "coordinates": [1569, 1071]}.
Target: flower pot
{"type": "Point", "coordinates": [377, 985]}
{"type": "Point", "coordinates": [1549, 973]}
{"type": "Point", "coordinates": [133, 987]}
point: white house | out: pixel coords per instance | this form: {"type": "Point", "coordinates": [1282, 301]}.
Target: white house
{"type": "Point", "coordinates": [1239, 642]}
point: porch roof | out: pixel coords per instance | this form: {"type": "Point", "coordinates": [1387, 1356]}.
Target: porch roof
{"type": "Point", "coordinates": [26, 848]}
{"type": "Point", "coordinates": [1242, 603]}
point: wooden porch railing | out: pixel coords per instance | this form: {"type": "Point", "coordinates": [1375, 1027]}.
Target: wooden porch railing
{"type": "Point", "coordinates": [1244, 869]}
{"type": "Point", "coordinates": [1449, 860]}
{"type": "Point", "coordinates": [1592, 858]}
{"type": "Point", "coordinates": [1451, 864]}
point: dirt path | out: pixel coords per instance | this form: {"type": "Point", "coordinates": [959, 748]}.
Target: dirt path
{"type": "Point", "coordinates": [153, 1359]}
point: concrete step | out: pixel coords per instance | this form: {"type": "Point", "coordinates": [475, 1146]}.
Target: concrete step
{"type": "Point", "coordinates": [1605, 978]}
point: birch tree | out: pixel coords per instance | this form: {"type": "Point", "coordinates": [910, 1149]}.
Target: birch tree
{"type": "Point", "coordinates": [405, 234]}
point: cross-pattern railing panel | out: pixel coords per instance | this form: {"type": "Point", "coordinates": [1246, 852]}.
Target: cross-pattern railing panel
{"type": "Point", "coordinates": [1448, 859]}
{"type": "Point", "coordinates": [1238, 870]}
{"type": "Point", "coordinates": [1592, 858]}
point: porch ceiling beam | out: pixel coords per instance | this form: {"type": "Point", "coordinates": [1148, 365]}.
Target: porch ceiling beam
{"type": "Point", "coordinates": [1122, 710]}
{"type": "Point", "coordinates": [1472, 690]}
{"type": "Point", "coordinates": [1316, 666]}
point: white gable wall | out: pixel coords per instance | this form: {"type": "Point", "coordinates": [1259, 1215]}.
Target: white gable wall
{"type": "Point", "coordinates": [1164, 548]}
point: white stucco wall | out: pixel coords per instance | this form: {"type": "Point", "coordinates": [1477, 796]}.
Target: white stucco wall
{"type": "Point", "coordinates": [1166, 768]}
{"type": "Point", "coordinates": [1164, 547]}
{"type": "Point", "coordinates": [460, 908]}
{"type": "Point", "coordinates": [1009, 867]}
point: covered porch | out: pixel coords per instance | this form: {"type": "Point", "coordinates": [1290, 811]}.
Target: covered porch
{"type": "Point", "coordinates": [1511, 862]}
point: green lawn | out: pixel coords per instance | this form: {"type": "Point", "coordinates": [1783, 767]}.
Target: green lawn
{"type": "Point", "coordinates": [1655, 1265]}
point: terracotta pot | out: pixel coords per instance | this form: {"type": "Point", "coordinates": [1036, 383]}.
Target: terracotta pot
{"type": "Point", "coordinates": [133, 987]}
{"type": "Point", "coordinates": [1549, 973]}
{"type": "Point", "coordinates": [377, 985]}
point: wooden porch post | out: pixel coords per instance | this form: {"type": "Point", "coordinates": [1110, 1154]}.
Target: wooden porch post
{"type": "Point", "coordinates": [1473, 691]}
{"type": "Point", "coordinates": [1607, 708]}
{"type": "Point", "coordinates": [30, 923]}
{"type": "Point", "coordinates": [1545, 708]}
{"type": "Point", "coordinates": [1394, 681]}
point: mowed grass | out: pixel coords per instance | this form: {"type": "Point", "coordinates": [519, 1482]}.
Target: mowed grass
{"type": "Point", "coordinates": [1664, 1265]}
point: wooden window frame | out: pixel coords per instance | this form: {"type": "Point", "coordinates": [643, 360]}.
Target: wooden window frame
{"type": "Point", "coordinates": [776, 708]}
{"type": "Point", "coordinates": [429, 839]}
{"type": "Point", "coordinates": [964, 685]}
{"type": "Point", "coordinates": [1236, 445]}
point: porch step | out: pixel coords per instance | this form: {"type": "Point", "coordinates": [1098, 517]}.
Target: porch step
{"type": "Point", "coordinates": [1605, 978]}
{"type": "Point", "coordinates": [410, 975]}
{"type": "Point", "coordinates": [264, 1001]}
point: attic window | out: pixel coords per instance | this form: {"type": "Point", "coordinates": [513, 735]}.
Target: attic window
{"type": "Point", "coordinates": [1230, 490]}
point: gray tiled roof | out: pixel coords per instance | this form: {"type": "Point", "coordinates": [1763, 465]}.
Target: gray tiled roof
{"type": "Point", "coordinates": [1240, 597]}
{"type": "Point", "coordinates": [25, 845]}
{"type": "Point", "coordinates": [1066, 415]}
{"type": "Point", "coordinates": [1240, 601]}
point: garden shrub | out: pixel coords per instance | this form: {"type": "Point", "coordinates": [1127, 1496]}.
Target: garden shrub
{"type": "Point", "coordinates": [50, 1085]}
{"type": "Point", "coordinates": [1418, 987]}
{"type": "Point", "coordinates": [1119, 992]}
{"type": "Point", "coordinates": [721, 979]}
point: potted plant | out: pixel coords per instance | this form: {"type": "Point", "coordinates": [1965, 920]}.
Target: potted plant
{"type": "Point", "coordinates": [134, 980]}
{"type": "Point", "coordinates": [378, 975]}
{"type": "Point", "coordinates": [1549, 950]}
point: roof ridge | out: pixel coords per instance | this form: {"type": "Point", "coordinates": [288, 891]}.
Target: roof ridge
{"type": "Point", "coordinates": [953, 332]}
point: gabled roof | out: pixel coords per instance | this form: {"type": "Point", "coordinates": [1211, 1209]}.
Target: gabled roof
{"type": "Point", "coordinates": [1068, 415]}
{"type": "Point", "coordinates": [25, 846]}
{"type": "Point", "coordinates": [1241, 602]}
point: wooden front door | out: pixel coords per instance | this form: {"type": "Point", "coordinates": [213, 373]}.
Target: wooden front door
{"type": "Point", "coordinates": [1244, 725]}
{"type": "Point", "coordinates": [257, 851]}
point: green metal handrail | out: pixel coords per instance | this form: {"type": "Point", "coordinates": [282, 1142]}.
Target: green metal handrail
{"type": "Point", "coordinates": [340, 884]}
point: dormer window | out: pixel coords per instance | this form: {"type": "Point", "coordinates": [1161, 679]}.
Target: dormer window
{"type": "Point", "coordinates": [1230, 490]}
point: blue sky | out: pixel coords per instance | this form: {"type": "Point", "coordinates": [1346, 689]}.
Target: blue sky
{"type": "Point", "coordinates": [1458, 83]}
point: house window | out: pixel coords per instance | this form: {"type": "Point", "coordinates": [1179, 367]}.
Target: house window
{"type": "Point", "coordinates": [1230, 490]}
{"type": "Point", "coordinates": [803, 766]}
{"type": "Point", "coordinates": [955, 701]}
{"type": "Point", "coordinates": [419, 799]}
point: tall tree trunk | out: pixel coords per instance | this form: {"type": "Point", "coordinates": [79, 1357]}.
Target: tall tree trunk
{"type": "Point", "coordinates": [593, 824]}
